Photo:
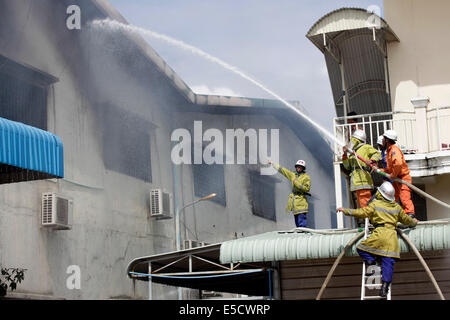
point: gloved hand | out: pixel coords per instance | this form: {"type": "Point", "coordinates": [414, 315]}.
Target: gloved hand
{"type": "Point", "coordinates": [412, 215]}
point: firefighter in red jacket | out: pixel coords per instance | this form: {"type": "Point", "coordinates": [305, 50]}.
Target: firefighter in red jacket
{"type": "Point", "coordinates": [396, 166]}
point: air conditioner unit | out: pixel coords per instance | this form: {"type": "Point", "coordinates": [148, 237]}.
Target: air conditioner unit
{"type": "Point", "coordinates": [160, 204]}
{"type": "Point", "coordinates": [56, 211]}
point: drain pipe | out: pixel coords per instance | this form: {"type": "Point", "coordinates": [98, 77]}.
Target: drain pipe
{"type": "Point", "coordinates": [177, 213]}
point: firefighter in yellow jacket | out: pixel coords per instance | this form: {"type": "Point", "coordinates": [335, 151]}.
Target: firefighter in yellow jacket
{"type": "Point", "coordinates": [301, 184]}
{"type": "Point", "coordinates": [360, 179]}
{"type": "Point", "coordinates": [383, 213]}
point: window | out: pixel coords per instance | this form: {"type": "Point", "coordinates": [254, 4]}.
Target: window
{"type": "Point", "coordinates": [262, 195]}
{"type": "Point", "coordinates": [23, 93]}
{"type": "Point", "coordinates": [209, 178]}
{"type": "Point", "coordinates": [126, 143]}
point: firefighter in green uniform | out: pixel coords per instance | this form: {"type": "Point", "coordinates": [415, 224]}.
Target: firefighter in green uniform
{"type": "Point", "coordinates": [301, 184]}
{"type": "Point", "coordinates": [361, 181]}
{"type": "Point", "coordinates": [383, 213]}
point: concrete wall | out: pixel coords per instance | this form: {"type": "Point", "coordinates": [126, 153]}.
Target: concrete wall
{"type": "Point", "coordinates": [419, 67]}
{"type": "Point", "coordinates": [440, 190]}
{"type": "Point", "coordinates": [418, 64]}
{"type": "Point", "coordinates": [111, 224]}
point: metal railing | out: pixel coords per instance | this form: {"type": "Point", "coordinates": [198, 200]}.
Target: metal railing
{"type": "Point", "coordinates": [439, 129]}
{"type": "Point", "coordinates": [403, 122]}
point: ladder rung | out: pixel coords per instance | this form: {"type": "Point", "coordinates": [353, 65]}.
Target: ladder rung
{"type": "Point", "coordinates": [373, 286]}
{"type": "Point", "coordinates": [373, 276]}
{"type": "Point", "coordinates": [374, 297]}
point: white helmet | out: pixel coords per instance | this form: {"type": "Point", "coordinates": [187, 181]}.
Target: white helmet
{"type": "Point", "coordinates": [380, 140]}
{"type": "Point", "coordinates": [390, 134]}
{"type": "Point", "coordinates": [387, 191]}
{"type": "Point", "coordinates": [301, 163]}
{"type": "Point", "coordinates": [360, 135]}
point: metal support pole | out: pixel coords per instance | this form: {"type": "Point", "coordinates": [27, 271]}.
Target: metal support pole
{"type": "Point", "coordinates": [344, 90]}
{"type": "Point", "coordinates": [338, 191]}
{"type": "Point", "coordinates": [150, 283]}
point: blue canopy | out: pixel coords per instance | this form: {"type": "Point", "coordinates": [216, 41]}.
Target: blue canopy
{"type": "Point", "coordinates": [28, 153]}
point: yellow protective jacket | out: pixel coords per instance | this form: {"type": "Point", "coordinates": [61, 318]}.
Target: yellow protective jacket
{"type": "Point", "coordinates": [301, 183]}
{"type": "Point", "coordinates": [361, 178]}
{"type": "Point", "coordinates": [383, 241]}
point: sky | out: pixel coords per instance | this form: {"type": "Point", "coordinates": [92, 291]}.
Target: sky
{"type": "Point", "coordinates": [263, 38]}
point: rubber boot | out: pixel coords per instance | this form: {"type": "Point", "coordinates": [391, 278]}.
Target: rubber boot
{"type": "Point", "coordinates": [384, 289]}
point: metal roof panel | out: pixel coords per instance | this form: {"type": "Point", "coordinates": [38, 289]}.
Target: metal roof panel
{"type": "Point", "coordinates": [297, 245]}
{"type": "Point", "coordinates": [30, 148]}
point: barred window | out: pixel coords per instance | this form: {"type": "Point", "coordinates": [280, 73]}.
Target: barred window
{"type": "Point", "coordinates": [262, 195]}
{"type": "Point", "coordinates": [23, 93]}
{"type": "Point", "coordinates": [209, 178]}
{"type": "Point", "coordinates": [126, 143]}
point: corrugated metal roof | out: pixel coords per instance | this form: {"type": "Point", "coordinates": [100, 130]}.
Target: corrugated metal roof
{"type": "Point", "coordinates": [348, 19]}
{"type": "Point", "coordinates": [30, 148]}
{"type": "Point", "coordinates": [296, 245]}
{"type": "Point", "coordinates": [349, 34]}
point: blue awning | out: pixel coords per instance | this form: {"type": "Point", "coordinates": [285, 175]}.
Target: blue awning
{"type": "Point", "coordinates": [28, 153]}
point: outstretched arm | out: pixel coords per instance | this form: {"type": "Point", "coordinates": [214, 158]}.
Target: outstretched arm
{"type": "Point", "coordinates": [360, 213]}
{"type": "Point", "coordinates": [403, 218]}
{"type": "Point", "coordinates": [285, 172]}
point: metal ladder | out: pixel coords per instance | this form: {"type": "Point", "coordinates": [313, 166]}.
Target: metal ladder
{"type": "Point", "coordinates": [373, 281]}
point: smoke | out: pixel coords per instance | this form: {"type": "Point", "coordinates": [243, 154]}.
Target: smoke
{"type": "Point", "coordinates": [117, 26]}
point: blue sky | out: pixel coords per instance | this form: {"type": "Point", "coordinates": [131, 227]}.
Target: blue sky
{"type": "Point", "coordinates": [264, 38]}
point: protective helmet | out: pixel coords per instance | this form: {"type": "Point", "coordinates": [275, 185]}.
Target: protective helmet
{"type": "Point", "coordinates": [390, 134]}
{"type": "Point", "coordinates": [387, 191]}
{"type": "Point", "coordinates": [380, 140]}
{"type": "Point", "coordinates": [301, 163]}
{"type": "Point", "coordinates": [360, 135]}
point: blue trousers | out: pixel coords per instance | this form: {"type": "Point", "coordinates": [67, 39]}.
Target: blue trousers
{"type": "Point", "coordinates": [300, 220]}
{"type": "Point", "coordinates": [387, 264]}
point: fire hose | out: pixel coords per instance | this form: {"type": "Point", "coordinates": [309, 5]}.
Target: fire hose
{"type": "Point", "coordinates": [405, 238]}
{"type": "Point", "coordinates": [384, 174]}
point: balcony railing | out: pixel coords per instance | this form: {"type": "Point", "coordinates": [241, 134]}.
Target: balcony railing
{"type": "Point", "coordinates": [404, 123]}
{"type": "Point", "coordinates": [439, 129]}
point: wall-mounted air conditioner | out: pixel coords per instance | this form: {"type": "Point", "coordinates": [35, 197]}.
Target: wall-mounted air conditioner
{"type": "Point", "coordinates": [160, 204]}
{"type": "Point", "coordinates": [56, 212]}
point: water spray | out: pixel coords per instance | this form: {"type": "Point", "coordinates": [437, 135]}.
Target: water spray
{"type": "Point", "coordinates": [116, 26]}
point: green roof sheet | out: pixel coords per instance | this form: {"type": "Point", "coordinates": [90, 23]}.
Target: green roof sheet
{"type": "Point", "coordinates": [300, 244]}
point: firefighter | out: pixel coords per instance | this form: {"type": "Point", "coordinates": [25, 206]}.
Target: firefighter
{"type": "Point", "coordinates": [383, 213]}
{"type": "Point", "coordinates": [361, 181]}
{"type": "Point", "coordinates": [396, 166]}
{"type": "Point", "coordinates": [301, 184]}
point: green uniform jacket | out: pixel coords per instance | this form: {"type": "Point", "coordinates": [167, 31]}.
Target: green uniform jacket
{"type": "Point", "coordinates": [301, 183]}
{"type": "Point", "coordinates": [361, 179]}
{"type": "Point", "coordinates": [383, 241]}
